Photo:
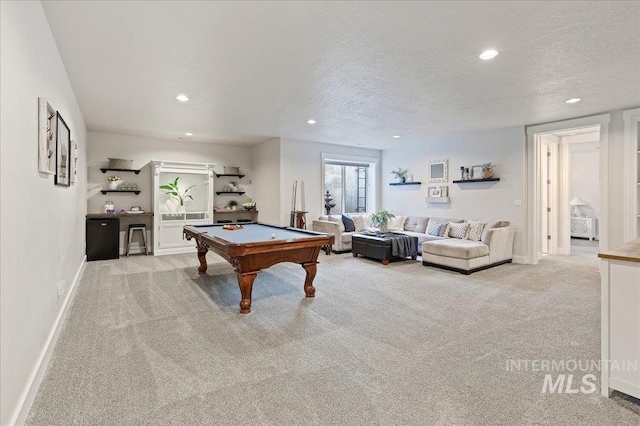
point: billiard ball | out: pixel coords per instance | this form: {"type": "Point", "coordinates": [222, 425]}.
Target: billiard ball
{"type": "Point", "coordinates": [273, 236]}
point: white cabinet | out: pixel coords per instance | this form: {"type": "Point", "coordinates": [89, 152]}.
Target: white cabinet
{"type": "Point", "coordinates": [620, 316]}
{"type": "Point", "coordinates": [584, 227]}
{"type": "Point", "coordinates": [171, 217]}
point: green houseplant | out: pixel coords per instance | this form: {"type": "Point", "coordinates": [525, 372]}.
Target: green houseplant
{"type": "Point", "coordinates": [381, 219]}
{"type": "Point", "coordinates": [173, 190]}
{"type": "Point", "coordinates": [233, 204]}
{"type": "Point", "coordinates": [400, 174]}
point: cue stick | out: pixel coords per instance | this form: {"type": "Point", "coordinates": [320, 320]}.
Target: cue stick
{"type": "Point", "coordinates": [302, 196]}
{"type": "Point", "coordinates": [292, 221]}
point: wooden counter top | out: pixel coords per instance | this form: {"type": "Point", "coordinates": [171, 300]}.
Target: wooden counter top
{"type": "Point", "coordinates": [629, 252]}
{"type": "Point", "coordinates": [115, 216]}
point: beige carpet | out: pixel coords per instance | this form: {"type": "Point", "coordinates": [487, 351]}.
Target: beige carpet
{"type": "Point", "coordinates": [148, 341]}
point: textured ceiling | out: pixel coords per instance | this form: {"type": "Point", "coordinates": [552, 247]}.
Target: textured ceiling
{"type": "Point", "coordinates": [364, 70]}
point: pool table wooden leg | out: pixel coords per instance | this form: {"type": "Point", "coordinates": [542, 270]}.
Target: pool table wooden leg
{"type": "Point", "coordinates": [310, 269]}
{"type": "Point", "coordinates": [245, 281]}
{"type": "Point", "coordinates": [202, 257]}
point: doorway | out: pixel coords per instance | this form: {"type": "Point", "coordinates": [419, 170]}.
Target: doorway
{"type": "Point", "coordinates": [559, 219]}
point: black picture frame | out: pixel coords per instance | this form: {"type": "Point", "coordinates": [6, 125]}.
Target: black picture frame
{"type": "Point", "coordinates": [63, 152]}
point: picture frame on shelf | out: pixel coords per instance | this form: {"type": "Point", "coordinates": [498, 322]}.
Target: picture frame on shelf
{"type": "Point", "coordinates": [477, 172]}
{"type": "Point", "coordinates": [438, 171]}
{"type": "Point", "coordinates": [46, 137]}
{"type": "Point", "coordinates": [63, 152]}
{"type": "Point", "coordinates": [437, 192]}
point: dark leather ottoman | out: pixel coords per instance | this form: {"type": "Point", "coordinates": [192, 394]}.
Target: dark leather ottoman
{"type": "Point", "coordinates": [375, 247]}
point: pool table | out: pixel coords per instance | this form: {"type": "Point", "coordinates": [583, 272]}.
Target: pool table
{"type": "Point", "coordinates": [258, 246]}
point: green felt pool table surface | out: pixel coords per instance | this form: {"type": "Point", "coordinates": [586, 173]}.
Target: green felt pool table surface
{"type": "Point", "coordinates": [256, 232]}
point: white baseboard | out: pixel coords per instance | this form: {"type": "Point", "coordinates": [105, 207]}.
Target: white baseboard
{"type": "Point", "coordinates": [29, 393]}
{"type": "Point", "coordinates": [624, 387]}
{"type": "Point", "coordinates": [522, 260]}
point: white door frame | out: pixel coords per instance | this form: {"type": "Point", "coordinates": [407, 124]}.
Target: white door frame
{"type": "Point", "coordinates": [533, 220]}
{"type": "Point", "coordinates": [631, 179]}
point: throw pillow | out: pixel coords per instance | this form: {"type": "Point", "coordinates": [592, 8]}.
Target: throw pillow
{"type": "Point", "coordinates": [434, 228]}
{"type": "Point", "coordinates": [475, 230]}
{"type": "Point", "coordinates": [458, 230]}
{"type": "Point", "coordinates": [338, 221]}
{"type": "Point", "coordinates": [396, 223]}
{"type": "Point", "coordinates": [358, 222]}
{"type": "Point", "coordinates": [368, 223]}
{"type": "Point", "coordinates": [349, 226]}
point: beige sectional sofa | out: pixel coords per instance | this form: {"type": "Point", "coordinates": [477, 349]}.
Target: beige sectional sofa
{"type": "Point", "coordinates": [483, 245]}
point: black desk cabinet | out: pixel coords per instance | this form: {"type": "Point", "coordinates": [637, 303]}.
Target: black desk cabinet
{"type": "Point", "coordinates": [103, 239]}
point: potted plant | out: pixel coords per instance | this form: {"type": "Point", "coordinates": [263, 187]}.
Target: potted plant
{"type": "Point", "coordinates": [487, 170]}
{"type": "Point", "coordinates": [173, 190]}
{"type": "Point", "coordinates": [381, 219]}
{"type": "Point", "coordinates": [400, 174]}
{"type": "Point", "coordinates": [233, 204]}
{"type": "Point", "coordinates": [113, 183]}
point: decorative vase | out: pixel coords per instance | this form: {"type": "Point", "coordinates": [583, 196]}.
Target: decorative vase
{"type": "Point", "coordinates": [182, 208]}
{"type": "Point", "coordinates": [403, 179]}
{"type": "Point", "coordinates": [487, 174]}
{"type": "Point", "coordinates": [384, 227]}
{"type": "Point", "coordinates": [113, 185]}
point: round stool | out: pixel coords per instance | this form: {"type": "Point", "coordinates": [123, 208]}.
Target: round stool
{"type": "Point", "coordinates": [244, 220]}
{"type": "Point", "coordinates": [224, 221]}
{"type": "Point", "coordinates": [138, 227]}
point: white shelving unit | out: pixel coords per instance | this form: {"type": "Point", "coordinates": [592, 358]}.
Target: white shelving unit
{"type": "Point", "coordinates": [170, 219]}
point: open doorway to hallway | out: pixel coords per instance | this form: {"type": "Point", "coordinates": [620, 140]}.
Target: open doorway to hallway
{"type": "Point", "coordinates": [570, 191]}
{"type": "Point", "coordinates": [567, 197]}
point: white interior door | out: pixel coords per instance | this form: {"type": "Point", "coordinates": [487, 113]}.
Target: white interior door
{"type": "Point", "coordinates": [549, 195]}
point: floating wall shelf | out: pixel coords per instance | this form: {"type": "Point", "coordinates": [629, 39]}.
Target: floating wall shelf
{"type": "Point", "coordinates": [222, 174]}
{"type": "Point", "coordinates": [105, 170]}
{"type": "Point", "coordinates": [404, 183]}
{"type": "Point", "coordinates": [477, 180]}
{"type": "Point", "coordinates": [437, 199]}
{"type": "Point", "coordinates": [104, 191]}
{"type": "Point", "coordinates": [229, 192]}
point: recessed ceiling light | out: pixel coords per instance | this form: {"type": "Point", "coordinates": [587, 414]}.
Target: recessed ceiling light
{"type": "Point", "coordinates": [573, 100]}
{"type": "Point", "coordinates": [396, 136]}
{"type": "Point", "coordinates": [188, 134]}
{"type": "Point", "coordinates": [488, 54]}
{"type": "Point", "coordinates": [312, 121]}
{"type": "Point", "coordinates": [182, 98]}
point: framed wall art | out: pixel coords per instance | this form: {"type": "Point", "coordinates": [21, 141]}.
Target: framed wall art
{"type": "Point", "coordinates": [74, 162]}
{"type": "Point", "coordinates": [46, 137]}
{"type": "Point", "coordinates": [63, 152]}
{"type": "Point", "coordinates": [438, 171]}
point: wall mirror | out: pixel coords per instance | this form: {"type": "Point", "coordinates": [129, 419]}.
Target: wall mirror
{"type": "Point", "coordinates": [438, 171]}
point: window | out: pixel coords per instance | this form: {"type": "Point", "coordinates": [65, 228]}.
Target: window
{"type": "Point", "coordinates": [347, 184]}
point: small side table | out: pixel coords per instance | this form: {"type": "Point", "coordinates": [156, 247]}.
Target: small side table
{"type": "Point", "coordinates": [583, 227]}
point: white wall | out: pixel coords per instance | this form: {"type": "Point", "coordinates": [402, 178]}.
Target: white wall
{"type": "Point", "coordinates": [585, 181]}
{"type": "Point", "coordinates": [265, 172]}
{"type": "Point", "coordinates": [615, 220]}
{"type": "Point", "coordinates": [142, 150]}
{"type": "Point", "coordinates": [503, 147]}
{"type": "Point", "coordinates": [302, 160]}
{"type": "Point", "coordinates": [42, 225]}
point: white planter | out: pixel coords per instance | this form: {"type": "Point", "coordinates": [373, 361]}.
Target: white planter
{"type": "Point", "coordinates": [113, 185]}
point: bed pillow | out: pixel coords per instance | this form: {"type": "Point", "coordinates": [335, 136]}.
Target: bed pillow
{"type": "Point", "coordinates": [338, 221]}
{"type": "Point", "coordinates": [475, 230]}
{"type": "Point", "coordinates": [457, 230]}
{"type": "Point", "coordinates": [349, 226]}
{"type": "Point", "coordinates": [396, 223]}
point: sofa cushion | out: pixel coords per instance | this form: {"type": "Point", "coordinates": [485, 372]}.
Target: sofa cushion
{"type": "Point", "coordinates": [492, 225]}
{"type": "Point", "coordinates": [475, 230]}
{"type": "Point", "coordinates": [346, 236]}
{"type": "Point", "coordinates": [348, 224]}
{"type": "Point", "coordinates": [416, 224]}
{"type": "Point", "coordinates": [435, 226]}
{"type": "Point", "coordinates": [457, 230]}
{"type": "Point", "coordinates": [454, 247]}
{"type": "Point", "coordinates": [338, 220]}
{"type": "Point", "coordinates": [396, 223]}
